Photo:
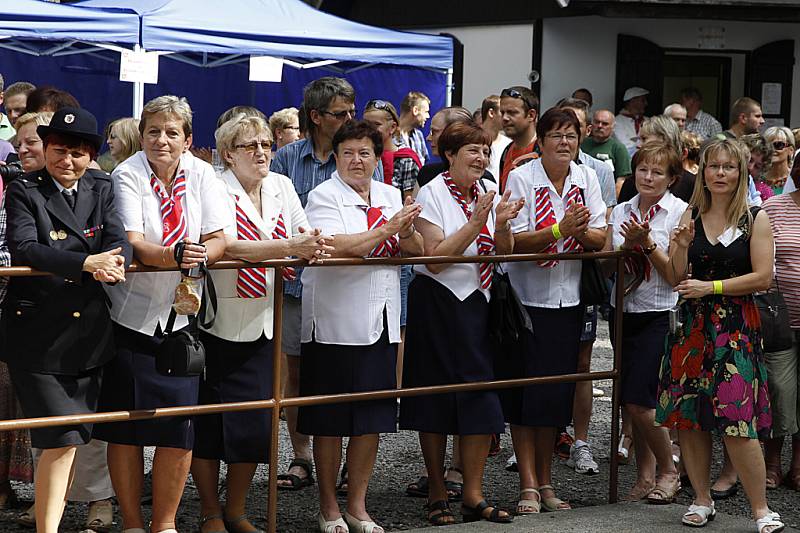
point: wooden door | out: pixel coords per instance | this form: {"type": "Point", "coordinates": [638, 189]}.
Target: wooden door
{"type": "Point", "coordinates": [771, 64]}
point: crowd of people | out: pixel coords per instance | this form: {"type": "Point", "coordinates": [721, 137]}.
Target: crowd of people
{"type": "Point", "coordinates": [714, 215]}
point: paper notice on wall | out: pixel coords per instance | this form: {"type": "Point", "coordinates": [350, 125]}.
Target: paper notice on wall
{"type": "Point", "coordinates": [771, 98]}
{"type": "Point", "coordinates": [770, 122]}
{"type": "Point", "coordinates": [138, 66]}
{"type": "Point", "coordinates": [266, 68]}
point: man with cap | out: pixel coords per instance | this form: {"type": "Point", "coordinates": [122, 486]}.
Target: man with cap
{"type": "Point", "coordinates": [61, 219]}
{"type": "Point", "coordinates": [630, 117]}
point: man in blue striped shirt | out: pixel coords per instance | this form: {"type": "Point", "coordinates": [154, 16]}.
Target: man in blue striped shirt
{"type": "Point", "coordinates": [328, 103]}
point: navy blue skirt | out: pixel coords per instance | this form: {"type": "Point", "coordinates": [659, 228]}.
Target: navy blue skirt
{"type": "Point", "coordinates": [338, 369]}
{"type": "Point", "coordinates": [43, 395]}
{"type": "Point", "coordinates": [551, 350]}
{"type": "Point", "coordinates": [235, 372]}
{"type": "Point", "coordinates": [447, 342]}
{"type": "Point", "coordinates": [130, 381]}
{"type": "Point", "coordinates": [643, 343]}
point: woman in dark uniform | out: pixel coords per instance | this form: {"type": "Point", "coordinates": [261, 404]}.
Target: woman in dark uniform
{"type": "Point", "coordinates": [58, 333]}
{"type": "Point", "coordinates": [461, 215]}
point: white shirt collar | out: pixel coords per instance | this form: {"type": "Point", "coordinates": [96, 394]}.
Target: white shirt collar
{"type": "Point", "coordinates": [61, 188]}
{"type": "Point", "coordinates": [575, 176]}
{"type": "Point", "coordinates": [349, 196]}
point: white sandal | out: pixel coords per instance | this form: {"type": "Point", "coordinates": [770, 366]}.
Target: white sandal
{"type": "Point", "coordinates": [770, 519]}
{"type": "Point", "coordinates": [329, 526]}
{"type": "Point", "coordinates": [362, 526]}
{"type": "Point", "coordinates": [707, 514]}
{"type": "Point", "coordinates": [534, 505]}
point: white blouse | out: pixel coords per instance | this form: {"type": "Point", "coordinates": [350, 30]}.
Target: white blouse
{"type": "Point", "coordinates": [558, 286]}
{"type": "Point", "coordinates": [345, 305]}
{"type": "Point", "coordinates": [245, 319]}
{"type": "Point", "coordinates": [440, 209]}
{"type": "Point", "coordinates": [654, 294]}
{"type": "Point", "coordinates": [144, 300]}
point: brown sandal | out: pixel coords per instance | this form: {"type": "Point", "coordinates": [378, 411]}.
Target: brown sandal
{"type": "Point", "coordinates": [664, 493]}
{"type": "Point", "coordinates": [774, 477]}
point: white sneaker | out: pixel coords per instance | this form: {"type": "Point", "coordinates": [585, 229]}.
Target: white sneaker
{"type": "Point", "coordinates": [580, 458]}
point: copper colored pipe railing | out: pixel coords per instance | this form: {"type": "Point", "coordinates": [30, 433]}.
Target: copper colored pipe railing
{"type": "Point", "coordinates": [277, 401]}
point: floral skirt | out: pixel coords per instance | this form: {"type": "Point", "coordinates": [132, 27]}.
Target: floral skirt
{"type": "Point", "coordinates": [713, 376]}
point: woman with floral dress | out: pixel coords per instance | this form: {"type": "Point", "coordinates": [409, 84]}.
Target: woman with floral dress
{"type": "Point", "coordinates": [712, 375]}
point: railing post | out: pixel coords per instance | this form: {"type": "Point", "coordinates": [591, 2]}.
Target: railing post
{"type": "Point", "coordinates": [613, 477]}
{"type": "Point", "coordinates": [277, 395]}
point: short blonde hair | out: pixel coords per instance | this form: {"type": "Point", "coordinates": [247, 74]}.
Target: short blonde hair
{"type": "Point", "coordinates": [170, 105]}
{"type": "Point", "coordinates": [126, 130]}
{"type": "Point", "coordinates": [282, 118]}
{"type": "Point", "coordinates": [232, 130]}
{"type": "Point", "coordinates": [41, 118]}
{"type": "Point", "coordinates": [772, 133]}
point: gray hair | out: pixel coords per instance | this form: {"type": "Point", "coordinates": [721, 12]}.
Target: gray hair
{"type": "Point", "coordinates": [280, 119]}
{"type": "Point", "coordinates": [319, 94]}
{"type": "Point", "coordinates": [454, 114]}
{"type": "Point", "coordinates": [169, 105]}
{"type": "Point", "coordinates": [666, 128]}
{"type": "Point", "coordinates": [673, 107]}
{"type": "Point", "coordinates": [41, 118]}
{"type": "Point", "coordinates": [232, 130]}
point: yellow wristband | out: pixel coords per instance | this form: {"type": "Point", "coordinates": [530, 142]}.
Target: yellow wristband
{"type": "Point", "coordinates": [717, 286]}
{"type": "Point", "coordinates": [556, 231]}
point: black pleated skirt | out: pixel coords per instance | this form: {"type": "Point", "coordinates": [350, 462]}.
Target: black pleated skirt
{"type": "Point", "coordinates": [337, 369]}
{"type": "Point", "coordinates": [643, 343]}
{"type": "Point", "coordinates": [43, 395]}
{"type": "Point", "coordinates": [235, 372]}
{"type": "Point", "coordinates": [447, 341]}
{"type": "Point", "coordinates": [132, 382]}
{"type": "Point", "coordinates": [551, 350]}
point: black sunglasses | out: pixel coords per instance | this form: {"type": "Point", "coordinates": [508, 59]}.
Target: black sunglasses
{"type": "Point", "coordinates": [513, 93]}
{"type": "Point", "coordinates": [376, 104]}
{"type": "Point", "coordinates": [779, 145]}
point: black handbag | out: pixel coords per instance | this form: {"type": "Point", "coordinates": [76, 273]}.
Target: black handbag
{"type": "Point", "coordinates": [594, 290]}
{"type": "Point", "coordinates": [181, 354]}
{"type": "Point", "coordinates": [507, 316]}
{"type": "Point", "coordinates": [775, 327]}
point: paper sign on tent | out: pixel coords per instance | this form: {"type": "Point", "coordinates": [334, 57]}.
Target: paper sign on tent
{"type": "Point", "coordinates": [138, 66]}
{"type": "Point", "coordinates": [266, 68]}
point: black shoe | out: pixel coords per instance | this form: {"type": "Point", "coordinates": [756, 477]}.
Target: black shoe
{"type": "Point", "coordinates": [730, 492]}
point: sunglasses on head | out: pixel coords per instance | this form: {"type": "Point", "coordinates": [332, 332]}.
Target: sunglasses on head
{"type": "Point", "coordinates": [513, 93]}
{"type": "Point", "coordinates": [779, 145]}
{"type": "Point", "coordinates": [376, 104]}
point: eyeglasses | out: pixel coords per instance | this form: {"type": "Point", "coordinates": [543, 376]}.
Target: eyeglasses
{"type": "Point", "coordinates": [727, 169]}
{"type": "Point", "coordinates": [341, 115]}
{"type": "Point", "coordinates": [779, 145]}
{"type": "Point", "coordinates": [251, 148]}
{"type": "Point", "coordinates": [570, 137]}
{"type": "Point", "coordinates": [513, 93]}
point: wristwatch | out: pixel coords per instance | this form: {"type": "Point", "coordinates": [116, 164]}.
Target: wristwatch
{"type": "Point", "coordinates": [650, 249]}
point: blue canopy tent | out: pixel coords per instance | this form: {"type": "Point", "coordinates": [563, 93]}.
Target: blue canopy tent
{"type": "Point", "coordinates": [219, 37]}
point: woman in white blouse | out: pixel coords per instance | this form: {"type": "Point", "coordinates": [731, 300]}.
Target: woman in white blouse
{"type": "Point", "coordinates": [163, 178]}
{"type": "Point", "coordinates": [351, 321]}
{"type": "Point", "coordinates": [448, 309]}
{"type": "Point", "coordinates": [267, 222]}
{"type": "Point", "coordinates": [563, 212]}
{"type": "Point", "coordinates": [645, 223]}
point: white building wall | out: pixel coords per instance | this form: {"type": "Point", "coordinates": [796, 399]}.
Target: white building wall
{"type": "Point", "coordinates": [581, 51]}
{"type": "Point", "coordinates": [495, 57]}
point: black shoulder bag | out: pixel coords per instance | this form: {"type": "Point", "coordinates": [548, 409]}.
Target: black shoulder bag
{"type": "Point", "coordinates": [181, 354]}
{"type": "Point", "coordinates": [594, 290]}
{"type": "Point", "coordinates": [776, 330]}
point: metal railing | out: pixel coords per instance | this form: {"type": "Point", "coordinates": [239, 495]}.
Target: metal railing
{"type": "Point", "coordinates": [277, 401]}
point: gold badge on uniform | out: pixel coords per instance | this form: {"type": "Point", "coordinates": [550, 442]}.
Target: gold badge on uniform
{"type": "Point", "coordinates": [62, 234]}
{"type": "Point", "coordinates": [54, 235]}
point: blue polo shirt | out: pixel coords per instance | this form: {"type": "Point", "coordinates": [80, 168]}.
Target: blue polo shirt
{"type": "Point", "coordinates": [298, 162]}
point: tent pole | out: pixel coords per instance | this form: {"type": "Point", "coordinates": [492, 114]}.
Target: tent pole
{"type": "Point", "coordinates": [448, 93]}
{"type": "Point", "coordinates": [138, 91]}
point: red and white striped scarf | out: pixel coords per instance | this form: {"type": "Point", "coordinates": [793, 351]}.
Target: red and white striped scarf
{"type": "Point", "coordinates": [630, 263]}
{"type": "Point", "coordinates": [252, 282]}
{"type": "Point", "coordinates": [173, 218]}
{"type": "Point", "coordinates": [485, 241]}
{"type": "Point", "coordinates": [375, 219]}
{"type": "Point", "coordinates": [545, 217]}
